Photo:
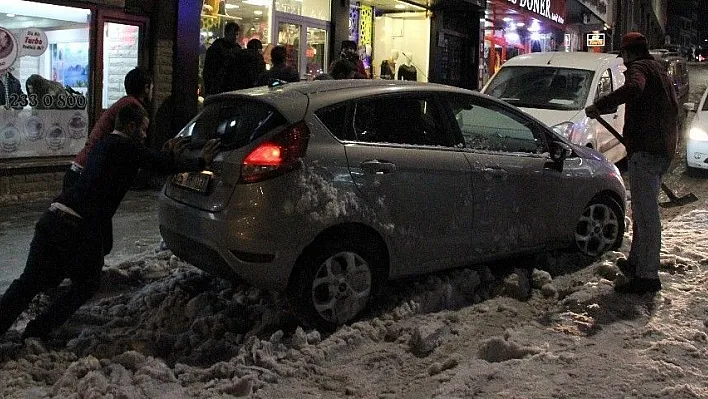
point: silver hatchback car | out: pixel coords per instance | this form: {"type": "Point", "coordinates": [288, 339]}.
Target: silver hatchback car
{"type": "Point", "coordinates": [327, 189]}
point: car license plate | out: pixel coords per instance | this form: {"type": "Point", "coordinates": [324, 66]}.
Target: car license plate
{"type": "Point", "coordinates": [196, 181]}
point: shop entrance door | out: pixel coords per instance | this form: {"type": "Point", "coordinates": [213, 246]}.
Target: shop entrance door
{"type": "Point", "coordinates": [122, 45]}
{"type": "Point", "coordinates": [311, 58]}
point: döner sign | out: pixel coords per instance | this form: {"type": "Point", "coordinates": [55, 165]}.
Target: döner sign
{"type": "Point", "coordinates": [543, 8]}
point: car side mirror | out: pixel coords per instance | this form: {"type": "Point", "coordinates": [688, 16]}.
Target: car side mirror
{"type": "Point", "coordinates": [559, 151]}
{"type": "Point", "coordinates": [690, 107]}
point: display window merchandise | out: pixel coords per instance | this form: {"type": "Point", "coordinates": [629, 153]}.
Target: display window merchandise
{"type": "Point", "coordinates": [393, 39]}
{"type": "Point", "coordinates": [44, 79]}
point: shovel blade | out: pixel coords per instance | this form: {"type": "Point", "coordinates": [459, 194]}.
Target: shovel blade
{"type": "Point", "coordinates": [679, 201]}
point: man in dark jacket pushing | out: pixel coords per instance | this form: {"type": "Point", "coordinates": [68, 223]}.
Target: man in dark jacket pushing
{"type": "Point", "coordinates": [650, 135]}
{"type": "Point", "coordinates": [68, 238]}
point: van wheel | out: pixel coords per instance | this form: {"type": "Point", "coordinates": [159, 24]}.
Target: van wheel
{"type": "Point", "coordinates": [600, 228]}
{"type": "Point", "coordinates": [333, 282]}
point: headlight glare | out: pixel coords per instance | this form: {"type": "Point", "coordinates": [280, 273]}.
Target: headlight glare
{"type": "Point", "coordinates": [697, 134]}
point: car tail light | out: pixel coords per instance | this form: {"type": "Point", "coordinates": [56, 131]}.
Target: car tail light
{"type": "Point", "coordinates": [276, 156]}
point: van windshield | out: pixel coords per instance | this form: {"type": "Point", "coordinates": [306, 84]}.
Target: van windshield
{"type": "Point", "coordinates": [542, 87]}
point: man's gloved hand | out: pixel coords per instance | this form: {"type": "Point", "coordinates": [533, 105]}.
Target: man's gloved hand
{"type": "Point", "coordinates": [211, 148]}
{"type": "Point", "coordinates": [592, 111]}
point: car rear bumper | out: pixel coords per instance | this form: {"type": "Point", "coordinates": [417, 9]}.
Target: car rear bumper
{"type": "Point", "coordinates": [219, 247]}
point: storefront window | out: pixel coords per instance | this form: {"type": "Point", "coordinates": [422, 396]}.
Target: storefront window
{"type": "Point", "coordinates": [401, 47]}
{"type": "Point", "coordinates": [253, 17]}
{"type": "Point", "coordinates": [44, 71]}
{"type": "Point", "coordinates": [317, 9]}
{"type": "Point", "coordinates": [120, 55]}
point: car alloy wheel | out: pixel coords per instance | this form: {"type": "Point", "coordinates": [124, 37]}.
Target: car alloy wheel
{"type": "Point", "coordinates": [333, 282]}
{"type": "Point", "coordinates": [600, 227]}
{"type": "Point", "coordinates": [341, 287]}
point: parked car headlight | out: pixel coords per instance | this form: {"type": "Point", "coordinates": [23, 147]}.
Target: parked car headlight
{"type": "Point", "coordinates": [698, 134]}
{"type": "Point", "coordinates": [565, 129]}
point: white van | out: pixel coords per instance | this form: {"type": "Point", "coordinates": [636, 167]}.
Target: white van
{"type": "Point", "coordinates": [555, 87]}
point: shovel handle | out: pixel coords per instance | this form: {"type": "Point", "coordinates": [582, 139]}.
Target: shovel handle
{"type": "Point", "coordinates": [612, 130]}
{"type": "Point", "coordinates": [673, 198]}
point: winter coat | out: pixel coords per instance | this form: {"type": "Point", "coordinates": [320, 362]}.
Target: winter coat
{"type": "Point", "coordinates": [217, 55]}
{"type": "Point", "coordinates": [278, 72]}
{"type": "Point", "coordinates": [651, 111]}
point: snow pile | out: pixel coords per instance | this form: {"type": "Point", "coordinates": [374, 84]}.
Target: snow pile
{"type": "Point", "coordinates": [161, 328]}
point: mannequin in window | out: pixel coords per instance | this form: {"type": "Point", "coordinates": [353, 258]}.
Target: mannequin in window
{"type": "Point", "coordinates": [407, 71]}
{"type": "Point", "coordinates": [388, 67]}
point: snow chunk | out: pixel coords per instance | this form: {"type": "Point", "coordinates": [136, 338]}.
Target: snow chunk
{"type": "Point", "coordinates": [500, 349]}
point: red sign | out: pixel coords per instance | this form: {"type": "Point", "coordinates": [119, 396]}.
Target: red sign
{"type": "Point", "coordinates": [310, 52]}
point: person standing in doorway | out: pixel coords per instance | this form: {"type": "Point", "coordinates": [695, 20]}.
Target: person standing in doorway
{"type": "Point", "coordinates": [279, 70]}
{"type": "Point", "coordinates": [68, 240]}
{"type": "Point", "coordinates": [215, 59]}
{"type": "Point", "coordinates": [349, 52]}
{"type": "Point", "coordinates": [650, 135]}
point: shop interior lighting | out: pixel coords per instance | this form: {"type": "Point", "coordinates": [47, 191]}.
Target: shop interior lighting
{"type": "Point", "coordinates": [42, 10]}
{"type": "Point", "coordinates": [408, 4]}
{"type": "Point", "coordinates": [535, 27]}
{"type": "Point", "coordinates": [535, 36]}
{"type": "Point", "coordinates": [400, 6]}
{"type": "Point", "coordinates": [257, 12]}
{"type": "Point", "coordinates": [230, 6]}
{"type": "Point", "coordinates": [11, 15]}
{"type": "Point", "coordinates": [520, 24]}
{"type": "Point", "coordinates": [262, 3]}
{"type": "Point", "coordinates": [508, 19]}
{"type": "Point", "coordinates": [512, 37]}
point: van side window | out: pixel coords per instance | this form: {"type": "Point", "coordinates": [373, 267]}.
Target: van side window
{"type": "Point", "coordinates": [604, 85]}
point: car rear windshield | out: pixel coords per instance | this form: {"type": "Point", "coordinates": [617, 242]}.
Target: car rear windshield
{"type": "Point", "coordinates": [236, 123]}
{"type": "Point", "coordinates": [542, 87]}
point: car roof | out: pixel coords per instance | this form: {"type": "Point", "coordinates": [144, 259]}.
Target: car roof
{"type": "Point", "coordinates": [577, 60]}
{"type": "Point", "coordinates": [325, 92]}
{"type": "Point", "coordinates": [328, 87]}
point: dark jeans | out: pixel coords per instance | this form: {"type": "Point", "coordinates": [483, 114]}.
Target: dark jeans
{"type": "Point", "coordinates": [645, 172]}
{"type": "Point", "coordinates": [62, 247]}
{"type": "Point", "coordinates": [70, 178]}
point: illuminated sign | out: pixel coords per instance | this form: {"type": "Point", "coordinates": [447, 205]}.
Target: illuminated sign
{"type": "Point", "coordinates": [554, 10]}
{"type": "Point", "coordinates": [596, 39]}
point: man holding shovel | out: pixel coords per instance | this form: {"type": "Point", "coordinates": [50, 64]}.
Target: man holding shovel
{"type": "Point", "coordinates": [650, 136]}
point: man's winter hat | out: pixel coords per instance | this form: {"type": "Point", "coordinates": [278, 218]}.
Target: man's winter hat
{"type": "Point", "coordinates": [633, 38]}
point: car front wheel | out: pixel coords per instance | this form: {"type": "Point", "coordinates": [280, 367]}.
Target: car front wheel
{"type": "Point", "coordinates": [600, 228]}
{"type": "Point", "coordinates": [333, 283]}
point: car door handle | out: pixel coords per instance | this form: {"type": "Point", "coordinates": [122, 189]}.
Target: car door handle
{"type": "Point", "coordinates": [496, 172]}
{"type": "Point", "coordinates": [376, 167]}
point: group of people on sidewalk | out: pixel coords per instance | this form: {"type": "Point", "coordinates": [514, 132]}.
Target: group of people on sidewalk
{"type": "Point", "coordinates": [228, 67]}
{"type": "Point", "coordinates": [75, 232]}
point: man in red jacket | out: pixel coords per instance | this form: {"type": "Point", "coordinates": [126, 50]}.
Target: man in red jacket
{"type": "Point", "coordinates": [138, 88]}
{"type": "Point", "coordinates": [650, 135]}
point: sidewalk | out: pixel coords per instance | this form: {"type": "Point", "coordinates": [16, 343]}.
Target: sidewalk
{"type": "Point", "coordinates": [134, 230]}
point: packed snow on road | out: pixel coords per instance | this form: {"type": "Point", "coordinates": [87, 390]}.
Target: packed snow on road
{"type": "Point", "coordinates": [549, 326]}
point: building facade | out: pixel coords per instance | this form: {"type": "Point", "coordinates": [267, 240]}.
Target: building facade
{"type": "Point", "coordinates": [646, 16]}
{"type": "Point", "coordinates": [81, 49]}
{"type": "Point", "coordinates": [62, 63]}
